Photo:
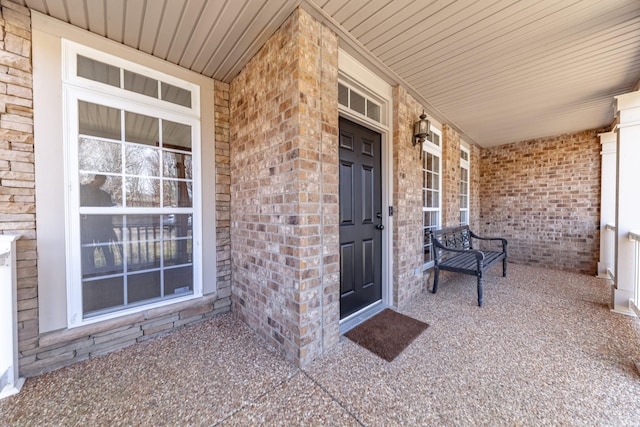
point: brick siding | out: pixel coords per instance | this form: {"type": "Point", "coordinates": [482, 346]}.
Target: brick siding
{"type": "Point", "coordinates": [450, 177]}
{"type": "Point", "coordinates": [544, 197]}
{"type": "Point", "coordinates": [223, 192]}
{"type": "Point", "coordinates": [408, 279]}
{"type": "Point", "coordinates": [284, 191]}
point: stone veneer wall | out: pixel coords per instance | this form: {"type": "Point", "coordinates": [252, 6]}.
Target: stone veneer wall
{"type": "Point", "coordinates": [544, 197]}
{"type": "Point", "coordinates": [408, 279]}
{"type": "Point", "coordinates": [45, 352]}
{"type": "Point", "coordinates": [17, 168]}
{"type": "Point", "coordinates": [284, 192]}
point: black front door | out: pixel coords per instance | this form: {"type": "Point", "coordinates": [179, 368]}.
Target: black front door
{"type": "Point", "coordinates": [360, 217]}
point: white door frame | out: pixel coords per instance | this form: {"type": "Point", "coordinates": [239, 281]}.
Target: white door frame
{"type": "Point", "coordinates": [357, 77]}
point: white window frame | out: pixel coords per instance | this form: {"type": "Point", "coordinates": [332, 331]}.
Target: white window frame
{"type": "Point", "coordinates": [435, 149]}
{"type": "Point", "coordinates": [76, 88]}
{"type": "Point", "coordinates": [465, 164]}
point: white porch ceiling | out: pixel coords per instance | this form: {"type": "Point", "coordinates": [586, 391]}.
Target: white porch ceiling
{"type": "Point", "coordinates": [499, 71]}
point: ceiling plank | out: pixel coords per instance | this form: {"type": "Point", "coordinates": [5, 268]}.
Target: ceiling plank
{"type": "Point", "coordinates": [365, 13]}
{"type": "Point", "coordinates": [134, 15]}
{"type": "Point", "coordinates": [97, 14]}
{"type": "Point", "coordinates": [151, 18]}
{"type": "Point", "coordinates": [191, 16]}
{"type": "Point", "coordinates": [169, 24]}
{"type": "Point", "coordinates": [210, 20]}
{"type": "Point", "coordinates": [115, 20]}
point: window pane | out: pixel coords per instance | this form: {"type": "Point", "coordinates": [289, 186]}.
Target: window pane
{"type": "Point", "coordinates": [98, 71]}
{"type": "Point", "coordinates": [142, 192]}
{"type": "Point", "coordinates": [373, 111]}
{"type": "Point", "coordinates": [101, 246]}
{"type": "Point", "coordinates": [176, 135]}
{"type": "Point", "coordinates": [357, 102]}
{"type": "Point", "coordinates": [177, 165]}
{"type": "Point", "coordinates": [177, 194]}
{"type": "Point", "coordinates": [100, 190]}
{"type": "Point", "coordinates": [142, 242]}
{"type": "Point", "coordinates": [343, 95]}
{"type": "Point", "coordinates": [178, 281]}
{"type": "Point", "coordinates": [176, 95]}
{"type": "Point", "coordinates": [177, 252]}
{"type": "Point", "coordinates": [102, 294]}
{"type": "Point", "coordinates": [142, 129]}
{"type": "Point", "coordinates": [141, 160]}
{"type": "Point", "coordinates": [98, 120]}
{"type": "Point", "coordinates": [143, 286]}
{"type": "Point", "coordinates": [95, 155]}
{"type": "Point", "coordinates": [140, 84]}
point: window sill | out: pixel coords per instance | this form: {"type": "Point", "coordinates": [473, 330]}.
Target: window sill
{"type": "Point", "coordinates": [70, 334]}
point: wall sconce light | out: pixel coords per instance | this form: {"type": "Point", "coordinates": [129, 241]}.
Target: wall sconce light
{"type": "Point", "coordinates": [421, 131]}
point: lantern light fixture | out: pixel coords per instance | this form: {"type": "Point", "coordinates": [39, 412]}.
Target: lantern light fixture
{"type": "Point", "coordinates": [421, 130]}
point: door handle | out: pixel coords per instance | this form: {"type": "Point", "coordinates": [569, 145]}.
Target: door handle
{"type": "Point", "coordinates": [380, 227]}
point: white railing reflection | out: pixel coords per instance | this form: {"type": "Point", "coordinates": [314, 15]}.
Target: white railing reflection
{"type": "Point", "coordinates": [610, 249]}
{"type": "Point", "coordinates": [634, 236]}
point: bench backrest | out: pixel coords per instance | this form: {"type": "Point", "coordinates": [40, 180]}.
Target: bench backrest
{"type": "Point", "coordinates": [453, 237]}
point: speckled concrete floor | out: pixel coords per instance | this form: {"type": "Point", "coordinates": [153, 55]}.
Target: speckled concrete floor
{"type": "Point", "coordinates": [544, 350]}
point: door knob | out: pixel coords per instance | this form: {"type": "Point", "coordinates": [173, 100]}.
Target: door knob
{"type": "Point", "coordinates": [380, 227]}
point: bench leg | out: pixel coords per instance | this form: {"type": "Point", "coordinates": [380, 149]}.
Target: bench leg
{"type": "Point", "coordinates": [504, 267]}
{"type": "Point", "coordinates": [480, 284]}
{"type": "Point", "coordinates": [435, 280]}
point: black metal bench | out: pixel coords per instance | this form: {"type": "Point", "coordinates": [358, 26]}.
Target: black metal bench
{"type": "Point", "coordinates": [453, 251]}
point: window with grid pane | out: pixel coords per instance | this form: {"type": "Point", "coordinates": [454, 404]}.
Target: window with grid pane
{"type": "Point", "coordinates": [464, 186]}
{"type": "Point", "coordinates": [431, 192]}
{"type": "Point", "coordinates": [134, 205]}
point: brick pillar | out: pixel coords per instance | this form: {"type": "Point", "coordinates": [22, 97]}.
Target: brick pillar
{"type": "Point", "coordinates": [284, 190]}
{"type": "Point", "coordinates": [407, 200]}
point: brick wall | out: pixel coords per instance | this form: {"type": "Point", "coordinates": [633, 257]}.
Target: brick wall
{"type": "Point", "coordinates": [474, 191]}
{"type": "Point", "coordinates": [544, 197]}
{"type": "Point", "coordinates": [451, 144]}
{"type": "Point", "coordinates": [450, 177]}
{"type": "Point", "coordinates": [223, 193]}
{"type": "Point", "coordinates": [408, 279]}
{"type": "Point", "coordinates": [284, 191]}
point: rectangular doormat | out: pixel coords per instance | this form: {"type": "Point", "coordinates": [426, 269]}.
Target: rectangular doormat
{"type": "Point", "coordinates": [387, 333]}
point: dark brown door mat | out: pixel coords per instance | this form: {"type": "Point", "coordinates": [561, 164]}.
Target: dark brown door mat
{"type": "Point", "coordinates": [387, 333]}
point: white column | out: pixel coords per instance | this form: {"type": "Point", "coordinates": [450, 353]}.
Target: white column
{"type": "Point", "coordinates": [608, 141]}
{"type": "Point", "coordinates": [10, 381]}
{"type": "Point", "coordinates": [627, 197]}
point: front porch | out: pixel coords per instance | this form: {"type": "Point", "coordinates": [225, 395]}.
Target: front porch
{"type": "Point", "coordinates": [545, 349]}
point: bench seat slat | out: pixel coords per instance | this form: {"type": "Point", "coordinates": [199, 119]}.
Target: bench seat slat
{"type": "Point", "coordinates": [453, 252]}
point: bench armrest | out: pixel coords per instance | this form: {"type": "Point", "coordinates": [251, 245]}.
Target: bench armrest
{"type": "Point", "coordinates": [503, 241]}
{"type": "Point", "coordinates": [479, 255]}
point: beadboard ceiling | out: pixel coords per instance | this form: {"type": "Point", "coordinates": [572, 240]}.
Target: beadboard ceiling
{"type": "Point", "coordinates": [499, 71]}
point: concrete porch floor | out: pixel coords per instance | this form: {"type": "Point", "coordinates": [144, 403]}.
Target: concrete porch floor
{"type": "Point", "coordinates": [544, 350]}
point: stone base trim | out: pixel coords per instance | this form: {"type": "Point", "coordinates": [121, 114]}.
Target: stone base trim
{"type": "Point", "coordinates": [65, 347]}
